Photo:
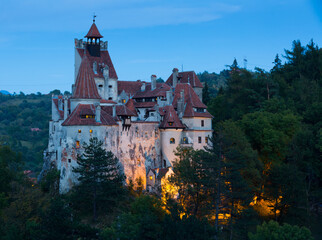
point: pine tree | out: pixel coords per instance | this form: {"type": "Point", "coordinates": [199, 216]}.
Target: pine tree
{"type": "Point", "coordinates": [100, 178]}
{"type": "Point", "coordinates": [205, 94]}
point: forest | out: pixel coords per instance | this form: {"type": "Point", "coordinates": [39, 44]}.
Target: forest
{"type": "Point", "coordinates": [259, 178]}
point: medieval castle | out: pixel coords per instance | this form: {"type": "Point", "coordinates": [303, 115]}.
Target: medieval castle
{"type": "Point", "coordinates": [142, 123]}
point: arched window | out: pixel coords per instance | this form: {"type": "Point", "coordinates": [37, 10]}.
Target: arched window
{"type": "Point", "coordinates": [164, 163]}
{"type": "Point", "coordinates": [172, 141]}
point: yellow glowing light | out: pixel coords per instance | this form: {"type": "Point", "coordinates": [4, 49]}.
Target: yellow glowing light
{"type": "Point", "coordinates": [79, 130]}
{"type": "Point", "coordinates": [151, 177]}
{"type": "Point", "coordinates": [90, 130]}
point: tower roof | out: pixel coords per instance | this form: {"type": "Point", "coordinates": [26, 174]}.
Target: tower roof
{"type": "Point", "coordinates": [93, 32]}
{"type": "Point", "coordinates": [85, 87]}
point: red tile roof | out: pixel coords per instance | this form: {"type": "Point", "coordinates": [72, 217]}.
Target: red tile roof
{"type": "Point", "coordinates": [101, 61]}
{"type": "Point", "coordinates": [189, 112]}
{"type": "Point", "coordinates": [189, 96]}
{"type": "Point", "coordinates": [85, 87]}
{"type": "Point", "coordinates": [144, 104]}
{"type": "Point", "coordinates": [171, 117]}
{"type": "Point", "coordinates": [129, 87]}
{"type": "Point", "coordinates": [186, 77]}
{"type": "Point", "coordinates": [93, 32]}
{"type": "Point", "coordinates": [121, 110]}
{"type": "Point", "coordinates": [74, 119]}
{"type": "Point", "coordinates": [131, 105]}
{"type": "Point", "coordinates": [159, 91]}
{"type": "Point", "coordinates": [107, 101]}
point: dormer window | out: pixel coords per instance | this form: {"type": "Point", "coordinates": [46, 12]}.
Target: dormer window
{"type": "Point", "coordinates": [170, 123]}
{"type": "Point", "coordinates": [88, 116]}
{"type": "Point", "coordinates": [100, 86]}
{"type": "Point", "coordinates": [199, 110]}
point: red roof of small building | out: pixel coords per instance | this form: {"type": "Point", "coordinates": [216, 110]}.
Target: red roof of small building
{"type": "Point", "coordinates": [144, 104]}
{"type": "Point", "coordinates": [93, 32]}
{"type": "Point", "coordinates": [75, 119]}
{"type": "Point", "coordinates": [85, 87]}
{"type": "Point", "coordinates": [101, 61]}
{"type": "Point", "coordinates": [107, 101]}
{"type": "Point", "coordinates": [171, 117]}
{"type": "Point", "coordinates": [186, 77]}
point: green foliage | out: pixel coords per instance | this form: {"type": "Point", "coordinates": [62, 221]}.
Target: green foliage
{"type": "Point", "coordinates": [273, 231]}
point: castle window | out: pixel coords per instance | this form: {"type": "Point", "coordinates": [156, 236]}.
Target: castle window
{"type": "Point", "coordinates": [69, 160]}
{"type": "Point", "coordinates": [151, 178]}
{"type": "Point", "coordinates": [164, 163]}
{"type": "Point", "coordinates": [101, 85]}
{"type": "Point", "coordinates": [109, 98]}
{"type": "Point", "coordinates": [79, 131]}
{"type": "Point", "coordinates": [88, 116]}
{"type": "Point", "coordinates": [90, 131]}
{"type": "Point", "coordinates": [202, 123]}
{"type": "Point", "coordinates": [172, 141]}
{"type": "Point", "coordinates": [170, 123]}
{"type": "Point", "coordinates": [185, 140]}
{"type": "Point", "coordinates": [123, 101]}
{"type": "Point", "coordinates": [77, 144]}
{"type": "Point", "coordinates": [109, 86]}
{"type": "Point", "coordinates": [199, 139]}
{"type": "Point", "coordinates": [200, 110]}
{"type": "Point", "coordinates": [206, 139]}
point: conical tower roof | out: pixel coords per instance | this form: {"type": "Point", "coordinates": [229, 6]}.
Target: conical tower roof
{"type": "Point", "coordinates": [93, 32]}
{"type": "Point", "coordinates": [85, 87]}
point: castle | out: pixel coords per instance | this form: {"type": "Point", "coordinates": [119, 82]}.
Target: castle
{"type": "Point", "coordinates": [142, 123]}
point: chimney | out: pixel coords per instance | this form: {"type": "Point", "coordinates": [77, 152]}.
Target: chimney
{"type": "Point", "coordinates": [169, 97]}
{"type": "Point", "coordinates": [143, 87]}
{"type": "Point", "coordinates": [65, 107]}
{"type": "Point", "coordinates": [153, 82]}
{"type": "Point", "coordinates": [175, 74]}
{"type": "Point", "coordinates": [98, 113]}
{"type": "Point", "coordinates": [114, 111]}
{"type": "Point", "coordinates": [105, 72]}
{"type": "Point", "coordinates": [180, 104]}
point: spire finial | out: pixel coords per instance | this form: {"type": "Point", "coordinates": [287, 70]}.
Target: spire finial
{"type": "Point", "coordinates": [94, 16]}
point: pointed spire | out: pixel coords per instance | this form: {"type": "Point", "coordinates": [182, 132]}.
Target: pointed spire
{"type": "Point", "coordinates": [93, 31]}
{"type": "Point", "coordinates": [85, 87]}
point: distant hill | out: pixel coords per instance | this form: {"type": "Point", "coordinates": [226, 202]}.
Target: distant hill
{"type": "Point", "coordinates": [4, 92]}
{"type": "Point", "coordinates": [215, 81]}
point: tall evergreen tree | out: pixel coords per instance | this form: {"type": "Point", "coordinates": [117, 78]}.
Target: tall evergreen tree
{"type": "Point", "coordinates": [100, 177]}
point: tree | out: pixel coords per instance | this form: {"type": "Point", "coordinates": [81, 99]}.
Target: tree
{"type": "Point", "coordinates": [273, 231]}
{"type": "Point", "coordinates": [100, 178]}
{"type": "Point", "coordinates": [205, 94]}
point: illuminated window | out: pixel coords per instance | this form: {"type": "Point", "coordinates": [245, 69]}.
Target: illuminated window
{"type": "Point", "coordinates": [77, 144]}
{"type": "Point", "coordinates": [206, 139]}
{"type": "Point", "coordinates": [123, 101]}
{"type": "Point", "coordinates": [151, 178]}
{"type": "Point", "coordinates": [172, 141]}
{"type": "Point", "coordinates": [170, 123]}
{"type": "Point", "coordinates": [79, 131]}
{"type": "Point", "coordinates": [90, 130]}
{"type": "Point", "coordinates": [199, 139]}
{"type": "Point", "coordinates": [185, 140]}
{"type": "Point", "coordinates": [202, 123]}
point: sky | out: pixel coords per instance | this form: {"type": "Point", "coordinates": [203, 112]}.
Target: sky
{"type": "Point", "coordinates": [148, 37]}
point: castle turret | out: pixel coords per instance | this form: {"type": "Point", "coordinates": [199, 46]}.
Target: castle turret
{"type": "Point", "coordinates": [93, 40]}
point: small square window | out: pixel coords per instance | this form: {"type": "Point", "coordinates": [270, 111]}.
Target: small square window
{"type": "Point", "coordinates": [199, 139]}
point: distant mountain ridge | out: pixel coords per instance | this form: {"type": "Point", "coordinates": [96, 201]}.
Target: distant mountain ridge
{"type": "Point", "coordinates": [4, 92]}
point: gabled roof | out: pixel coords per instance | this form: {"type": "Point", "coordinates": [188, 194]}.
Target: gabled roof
{"type": "Point", "coordinates": [189, 96]}
{"type": "Point", "coordinates": [171, 117]}
{"type": "Point", "coordinates": [186, 77]}
{"type": "Point", "coordinates": [189, 112]}
{"type": "Point", "coordinates": [93, 32]}
{"type": "Point", "coordinates": [101, 61]}
{"type": "Point", "coordinates": [159, 91]}
{"type": "Point", "coordinates": [85, 87]}
{"type": "Point", "coordinates": [74, 119]}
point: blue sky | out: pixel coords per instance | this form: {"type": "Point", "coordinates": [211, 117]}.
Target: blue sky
{"type": "Point", "coordinates": [148, 36]}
